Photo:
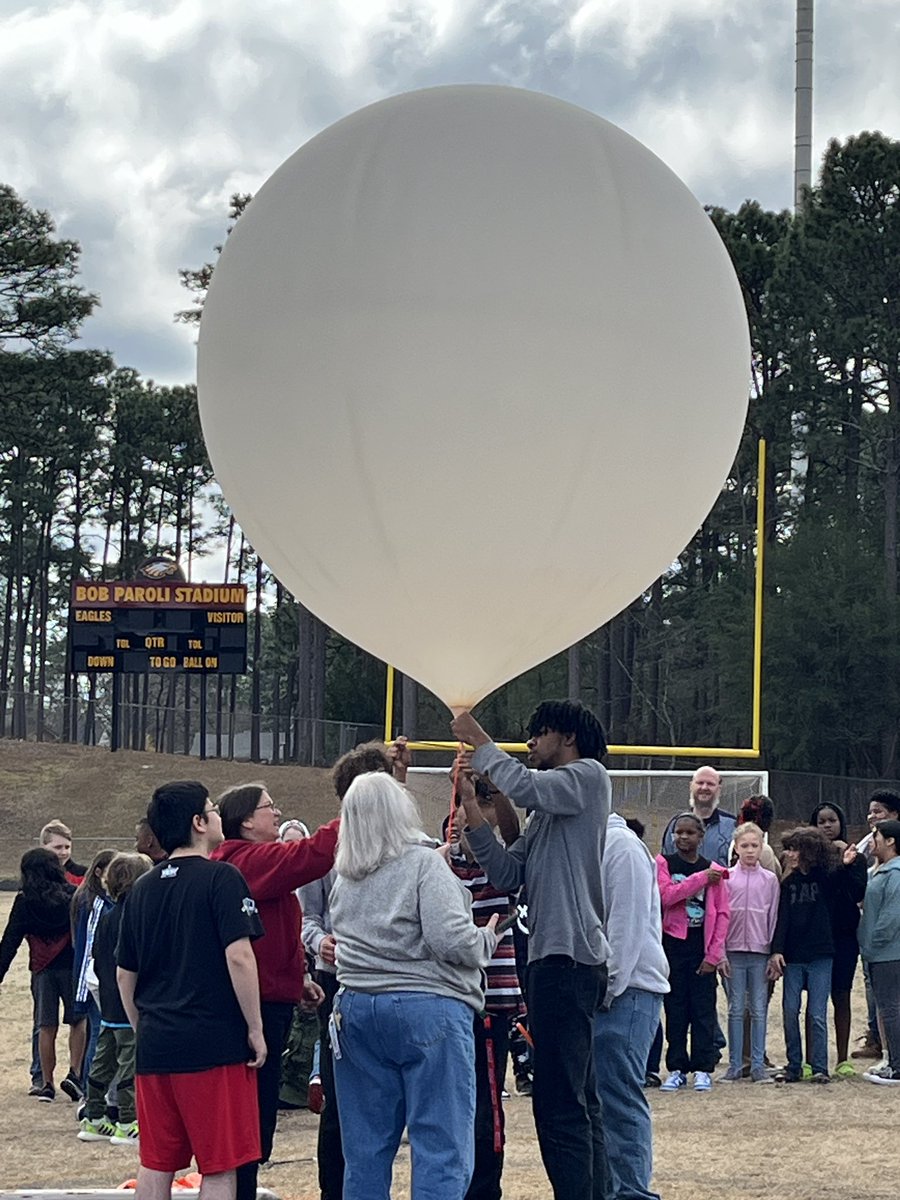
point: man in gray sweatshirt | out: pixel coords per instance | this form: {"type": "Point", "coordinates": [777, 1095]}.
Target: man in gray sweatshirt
{"type": "Point", "coordinates": [558, 860]}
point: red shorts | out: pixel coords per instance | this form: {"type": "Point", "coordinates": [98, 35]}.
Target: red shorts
{"type": "Point", "coordinates": [212, 1114]}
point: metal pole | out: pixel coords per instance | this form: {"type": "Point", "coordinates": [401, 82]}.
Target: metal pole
{"type": "Point", "coordinates": [803, 97]}
{"type": "Point", "coordinates": [389, 705]}
{"type": "Point", "coordinates": [114, 718]}
{"type": "Point", "coordinates": [203, 718]}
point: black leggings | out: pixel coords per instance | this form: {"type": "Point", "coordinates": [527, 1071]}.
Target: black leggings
{"type": "Point", "coordinates": [690, 1006]}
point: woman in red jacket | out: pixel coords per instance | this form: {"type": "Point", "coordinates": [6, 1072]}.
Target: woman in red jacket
{"type": "Point", "coordinates": [273, 871]}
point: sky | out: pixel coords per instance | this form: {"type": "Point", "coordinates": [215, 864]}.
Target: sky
{"type": "Point", "coordinates": [133, 121]}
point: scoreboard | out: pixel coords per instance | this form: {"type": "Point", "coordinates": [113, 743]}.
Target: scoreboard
{"type": "Point", "coordinates": [136, 626]}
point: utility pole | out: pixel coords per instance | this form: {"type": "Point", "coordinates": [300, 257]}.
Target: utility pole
{"type": "Point", "coordinates": [803, 94]}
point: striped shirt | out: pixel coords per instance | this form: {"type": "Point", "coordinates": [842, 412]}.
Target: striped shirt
{"type": "Point", "coordinates": [502, 993]}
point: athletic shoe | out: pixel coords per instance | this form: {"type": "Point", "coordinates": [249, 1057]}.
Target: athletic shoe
{"type": "Point", "coordinates": [733, 1075]}
{"type": "Point", "coordinates": [652, 1080]}
{"type": "Point", "coordinates": [883, 1075]}
{"type": "Point", "coordinates": [72, 1088]}
{"type": "Point", "coordinates": [523, 1086]}
{"type": "Point", "coordinates": [819, 1077]}
{"type": "Point", "coordinates": [870, 1048]}
{"type": "Point", "coordinates": [806, 1071]}
{"type": "Point", "coordinates": [47, 1093]}
{"type": "Point", "coordinates": [760, 1075]}
{"type": "Point", "coordinates": [81, 1110]}
{"type": "Point", "coordinates": [845, 1070]}
{"type": "Point", "coordinates": [675, 1081]}
{"type": "Point", "coordinates": [35, 1089]}
{"type": "Point", "coordinates": [124, 1135]}
{"type": "Point", "coordinates": [95, 1131]}
{"type": "Point", "coordinates": [702, 1081]}
{"type": "Point", "coordinates": [786, 1075]}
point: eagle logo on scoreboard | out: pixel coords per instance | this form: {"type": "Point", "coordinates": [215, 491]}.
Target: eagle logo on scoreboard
{"type": "Point", "coordinates": [161, 568]}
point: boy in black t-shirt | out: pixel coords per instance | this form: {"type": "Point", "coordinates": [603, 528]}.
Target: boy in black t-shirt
{"type": "Point", "coordinates": [188, 981]}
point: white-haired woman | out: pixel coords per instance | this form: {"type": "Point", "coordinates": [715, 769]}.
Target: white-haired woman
{"type": "Point", "coordinates": [409, 964]}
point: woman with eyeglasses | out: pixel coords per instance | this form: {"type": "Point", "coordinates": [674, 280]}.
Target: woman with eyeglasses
{"type": "Point", "coordinates": [273, 870]}
{"type": "Point", "coordinates": [409, 965]}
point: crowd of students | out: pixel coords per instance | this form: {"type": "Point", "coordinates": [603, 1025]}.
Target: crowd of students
{"type": "Point", "coordinates": [420, 974]}
{"type": "Point", "coordinates": [803, 917]}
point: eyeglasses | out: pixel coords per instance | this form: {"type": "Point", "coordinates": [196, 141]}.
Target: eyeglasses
{"type": "Point", "coordinates": [268, 804]}
{"type": "Point", "coordinates": [213, 808]}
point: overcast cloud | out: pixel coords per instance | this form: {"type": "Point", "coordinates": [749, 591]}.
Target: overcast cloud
{"type": "Point", "coordinates": [133, 121]}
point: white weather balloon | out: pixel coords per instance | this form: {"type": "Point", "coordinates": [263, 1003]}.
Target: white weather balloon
{"type": "Point", "coordinates": [473, 367]}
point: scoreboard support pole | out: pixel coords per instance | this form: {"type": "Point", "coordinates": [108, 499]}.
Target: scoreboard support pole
{"type": "Point", "coordinates": [203, 718]}
{"type": "Point", "coordinates": [114, 722]}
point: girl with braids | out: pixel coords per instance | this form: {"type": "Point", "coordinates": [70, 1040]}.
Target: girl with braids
{"type": "Point", "coordinates": [831, 822]}
{"type": "Point", "coordinates": [760, 811]}
{"type": "Point", "coordinates": [40, 916]}
{"type": "Point", "coordinates": [803, 946]}
{"type": "Point", "coordinates": [695, 923]}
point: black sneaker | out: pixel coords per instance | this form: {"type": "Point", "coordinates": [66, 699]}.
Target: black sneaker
{"type": "Point", "coordinates": [786, 1075]}
{"type": "Point", "coordinates": [523, 1086]}
{"type": "Point", "coordinates": [883, 1075]}
{"type": "Point", "coordinates": [820, 1077]}
{"type": "Point", "coordinates": [653, 1080]}
{"type": "Point", "coordinates": [36, 1088]}
{"type": "Point", "coordinates": [72, 1088]}
{"type": "Point", "coordinates": [47, 1093]}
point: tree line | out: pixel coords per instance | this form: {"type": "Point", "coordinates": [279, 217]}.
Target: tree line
{"type": "Point", "coordinates": [101, 469]}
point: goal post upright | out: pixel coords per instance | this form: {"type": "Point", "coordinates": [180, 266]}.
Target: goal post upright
{"type": "Point", "coordinates": [752, 751]}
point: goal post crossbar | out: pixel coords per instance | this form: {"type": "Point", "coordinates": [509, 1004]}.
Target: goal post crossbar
{"type": "Point", "coordinates": [645, 751]}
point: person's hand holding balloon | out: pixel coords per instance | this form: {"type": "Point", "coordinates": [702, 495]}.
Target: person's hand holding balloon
{"type": "Point", "coordinates": [465, 789]}
{"type": "Point", "coordinates": [466, 729]}
{"type": "Point", "coordinates": [401, 757]}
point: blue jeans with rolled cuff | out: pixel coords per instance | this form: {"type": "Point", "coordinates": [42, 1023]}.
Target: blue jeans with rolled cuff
{"type": "Point", "coordinates": [406, 1059]}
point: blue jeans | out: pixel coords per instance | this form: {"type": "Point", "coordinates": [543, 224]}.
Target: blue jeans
{"type": "Point", "coordinates": [407, 1058]}
{"type": "Point", "coordinates": [622, 1040]}
{"type": "Point", "coordinates": [815, 977]}
{"type": "Point", "coordinates": [748, 982]}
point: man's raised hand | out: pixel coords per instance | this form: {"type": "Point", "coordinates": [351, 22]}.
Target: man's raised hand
{"type": "Point", "coordinates": [466, 729]}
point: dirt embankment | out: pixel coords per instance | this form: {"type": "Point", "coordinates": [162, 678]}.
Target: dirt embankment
{"type": "Point", "coordinates": [100, 795]}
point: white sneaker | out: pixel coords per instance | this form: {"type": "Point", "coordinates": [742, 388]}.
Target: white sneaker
{"type": "Point", "coordinates": [702, 1081]}
{"type": "Point", "coordinates": [676, 1080]}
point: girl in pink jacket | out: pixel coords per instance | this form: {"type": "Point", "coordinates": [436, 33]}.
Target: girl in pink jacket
{"type": "Point", "coordinates": [695, 924]}
{"type": "Point", "coordinates": [753, 896]}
